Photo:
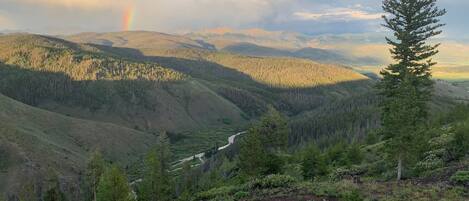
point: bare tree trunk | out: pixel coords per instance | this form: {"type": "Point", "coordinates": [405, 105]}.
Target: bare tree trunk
{"type": "Point", "coordinates": [94, 191]}
{"type": "Point", "coordinates": [399, 167]}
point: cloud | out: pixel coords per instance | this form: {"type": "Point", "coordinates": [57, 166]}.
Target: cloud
{"type": "Point", "coordinates": [338, 14]}
{"type": "Point", "coordinates": [199, 14]}
{"type": "Point", "coordinates": [6, 23]}
{"type": "Point", "coordinates": [81, 4]}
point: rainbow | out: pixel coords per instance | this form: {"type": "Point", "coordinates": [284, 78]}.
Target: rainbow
{"type": "Point", "coordinates": [128, 18]}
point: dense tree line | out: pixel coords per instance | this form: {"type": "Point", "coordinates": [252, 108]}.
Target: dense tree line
{"type": "Point", "coordinates": [36, 69]}
{"type": "Point", "coordinates": [346, 119]}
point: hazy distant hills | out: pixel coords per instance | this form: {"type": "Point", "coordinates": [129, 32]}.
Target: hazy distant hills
{"type": "Point", "coordinates": [258, 42]}
{"type": "Point", "coordinates": [316, 54]}
{"type": "Point", "coordinates": [366, 49]}
{"type": "Point", "coordinates": [252, 42]}
{"type": "Point", "coordinates": [222, 37]}
{"type": "Point", "coordinates": [141, 39]}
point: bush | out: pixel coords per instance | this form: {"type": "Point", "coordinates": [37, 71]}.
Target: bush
{"type": "Point", "coordinates": [459, 146]}
{"type": "Point", "coordinates": [240, 195]}
{"type": "Point", "coordinates": [271, 181]}
{"type": "Point", "coordinates": [461, 178]}
{"type": "Point", "coordinates": [313, 163]}
{"type": "Point", "coordinates": [354, 195]}
{"type": "Point", "coordinates": [294, 170]}
{"type": "Point", "coordinates": [217, 192]}
{"type": "Point", "coordinates": [342, 173]}
{"type": "Point", "coordinates": [343, 189]}
{"type": "Point", "coordinates": [273, 164]}
{"type": "Point", "coordinates": [354, 154]}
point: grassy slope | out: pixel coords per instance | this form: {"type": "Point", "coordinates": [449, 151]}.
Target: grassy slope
{"type": "Point", "coordinates": [37, 141]}
{"type": "Point", "coordinates": [177, 101]}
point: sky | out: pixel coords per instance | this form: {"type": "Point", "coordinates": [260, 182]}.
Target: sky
{"type": "Point", "coordinates": [174, 16]}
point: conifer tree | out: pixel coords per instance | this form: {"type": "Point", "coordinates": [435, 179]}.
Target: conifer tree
{"type": "Point", "coordinates": [94, 171]}
{"type": "Point", "coordinates": [261, 144]}
{"type": "Point", "coordinates": [273, 130]}
{"type": "Point", "coordinates": [407, 85]}
{"type": "Point", "coordinates": [313, 163]}
{"type": "Point", "coordinates": [156, 184]}
{"type": "Point", "coordinates": [54, 193]}
{"type": "Point", "coordinates": [114, 186]}
{"type": "Point", "coordinates": [252, 155]}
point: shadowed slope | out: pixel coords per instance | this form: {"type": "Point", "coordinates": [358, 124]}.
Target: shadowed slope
{"type": "Point", "coordinates": [35, 142]}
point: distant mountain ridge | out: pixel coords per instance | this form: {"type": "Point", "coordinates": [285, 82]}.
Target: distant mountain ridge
{"type": "Point", "coordinates": [142, 39]}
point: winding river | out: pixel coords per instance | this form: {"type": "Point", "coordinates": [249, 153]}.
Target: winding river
{"type": "Point", "coordinates": [200, 156]}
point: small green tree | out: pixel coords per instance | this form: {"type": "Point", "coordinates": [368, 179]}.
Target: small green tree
{"type": "Point", "coordinates": [262, 143]}
{"type": "Point", "coordinates": [354, 154]}
{"type": "Point", "coordinates": [336, 155]}
{"type": "Point", "coordinates": [273, 130]}
{"type": "Point", "coordinates": [187, 181]}
{"type": "Point", "coordinates": [459, 146]}
{"type": "Point", "coordinates": [252, 155]}
{"type": "Point", "coordinates": [114, 186]}
{"type": "Point", "coordinates": [95, 169]}
{"type": "Point", "coordinates": [54, 193]}
{"type": "Point", "coordinates": [407, 85]}
{"type": "Point", "coordinates": [156, 184]}
{"type": "Point", "coordinates": [313, 163]}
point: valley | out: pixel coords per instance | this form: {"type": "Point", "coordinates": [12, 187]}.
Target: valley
{"type": "Point", "coordinates": [195, 100]}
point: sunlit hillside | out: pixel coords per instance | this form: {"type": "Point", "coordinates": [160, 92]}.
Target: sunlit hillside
{"type": "Point", "coordinates": [85, 82]}
{"type": "Point", "coordinates": [286, 72]}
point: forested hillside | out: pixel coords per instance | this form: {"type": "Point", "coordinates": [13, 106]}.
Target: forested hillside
{"type": "Point", "coordinates": [293, 85]}
{"type": "Point", "coordinates": [83, 81]}
{"type": "Point", "coordinates": [146, 83]}
{"type": "Point", "coordinates": [38, 145]}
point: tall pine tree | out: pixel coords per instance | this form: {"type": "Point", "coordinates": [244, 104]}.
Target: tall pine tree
{"type": "Point", "coordinates": [114, 186]}
{"type": "Point", "coordinates": [95, 169]}
{"type": "Point", "coordinates": [156, 184]}
{"type": "Point", "coordinates": [407, 84]}
{"type": "Point", "coordinates": [262, 143]}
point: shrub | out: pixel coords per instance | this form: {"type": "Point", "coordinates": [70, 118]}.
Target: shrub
{"type": "Point", "coordinates": [354, 195]}
{"type": "Point", "coordinates": [273, 164]}
{"type": "Point", "coordinates": [272, 181]}
{"type": "Point", "coordinates": [294, 170]}
{"type": "Point", "coordinates": [217, 192]}
{"type": "Point", "coordinates": [342, 173]}
{"type": "Point", "coordinates": [313, 163]}
{"type": "Point", "coordinates": [325, 189]}
{"type": "Point", "coordinates": [355, 154]}
{"type": "Point", "coordinates": [460, 177]}
{"type": "Point", "coordinates": [432, 161]}
{"type": "Point", "coordinates": [343, 189]}
{"type": "Point", "coordinates": [240, 195]}
{"type": "Point", "coordinates": [459, 146]}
